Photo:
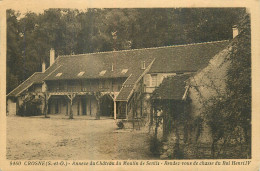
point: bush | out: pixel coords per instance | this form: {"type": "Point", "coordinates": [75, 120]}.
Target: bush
{"type": "Point", "coordinates": [155, 146]}
{"type": "Point", "coordinates": [120, 124]}
{"type": "Point", "coordinates": [30, 108]}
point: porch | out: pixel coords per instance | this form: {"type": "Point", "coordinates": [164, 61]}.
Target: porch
{"type": "Point", "coordinates": [77, 104]}
{"type": "Point", "coordinates": [83, 104]}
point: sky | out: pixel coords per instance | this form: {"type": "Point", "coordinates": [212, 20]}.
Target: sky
{"type": "Point", "coordinates": [23, 11]}
{"type": "Point", "coordinates": [35, 10]}
{"type": "Point", "coordinates": [39, 6]}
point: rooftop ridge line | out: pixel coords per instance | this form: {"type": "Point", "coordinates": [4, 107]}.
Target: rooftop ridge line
{"type": "Point", "coordinates": [190, 44]}
{"type": "Point", "coordinates": [21, 83]}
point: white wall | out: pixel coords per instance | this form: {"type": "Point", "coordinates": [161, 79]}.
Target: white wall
{"type": "Point", "coordinates": [207, 84]}
{"type": "Point", "coordinates": [11, 107]}
{"type": "Point", "coordinates": [159, 78]}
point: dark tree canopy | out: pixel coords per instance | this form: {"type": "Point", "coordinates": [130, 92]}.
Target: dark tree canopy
{"type": "Point", "coordinates": [69, 31]}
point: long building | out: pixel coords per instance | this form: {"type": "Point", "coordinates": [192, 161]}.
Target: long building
{"type": "Point", "coordinates": [116, 83]}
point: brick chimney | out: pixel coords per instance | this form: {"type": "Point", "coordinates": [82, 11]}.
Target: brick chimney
{"type": "Point", "coordinates": [235, 31]}
{"type": "Point", "coordinates": [43, 66]}
{"type": "Point", "coordinates": [52, 56]}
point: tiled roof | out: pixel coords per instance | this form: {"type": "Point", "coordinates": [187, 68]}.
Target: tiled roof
{"type": "Point", "coordinates": [172, 88]}
{"type": "Point", "coordinates": [186, 58]}
{"type": "Point", "coordinates": [26, 84]}
{"type": "Point", "coordinates": [124, 93]}
{"type": "Point", "coordinates": [36, 78]}
{"type": "Point", "coordinates": [181, 58]}
{"type": "Point", "coordinates": [94, 64]}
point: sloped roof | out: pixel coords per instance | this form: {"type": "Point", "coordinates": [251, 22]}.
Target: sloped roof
{"type": "Point", "coordinates": [186, 58]}
{"type": "Point", "coordinates": [36, 78]}
{"type": "Point", "coordinates": [189, 57]}
{"type": "Point", "coordinates": [128, 86]}
{"type": "Point", "coordinates": [26, 84]}
{"type": "Point", "coordinates": [172, 88]}
{"type": "Point", "coordinates": [94, 63]}
{"type": "Point", "coordinates": [181, 58]}
{"type": "Point", "coordinates": [124, 93]}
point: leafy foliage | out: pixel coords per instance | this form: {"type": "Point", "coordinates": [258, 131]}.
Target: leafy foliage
{"type": "Point", "coordinates": [229, 117]}
{"type": "Point", "coordinates": [30, 108]}
{"type": "Point", "coordinates": [31, 36]}
{"type": "Point", "coordinates": [227, 113]}
{"type": "Point", "coordinates": [155, 145]}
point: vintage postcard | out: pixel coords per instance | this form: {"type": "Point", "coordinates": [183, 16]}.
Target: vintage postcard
{"type": "Point", "coordinates": [122, 85]}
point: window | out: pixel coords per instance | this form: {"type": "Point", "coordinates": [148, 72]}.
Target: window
{"type": "Point", "coordinates": [102, 72]}
{"type": "Point", "coordinates": [59, 74]}
{"type": "Point", "coordinates": [147, 80]}
{"type": "Point", "coordinates": [102, 84]}
{"type": "Point", "coordinates": [112, 68]}
{"type": "Point", "coordinates": [85, 86]}
{"type": "Point", "coordinates": [81, 73]}
{"type": "Point", "coordinates": [143, 65]}
{"type": "Point", "coordinates": [124, 71]}
{"type": "Point", "coordinates": [154, 80]}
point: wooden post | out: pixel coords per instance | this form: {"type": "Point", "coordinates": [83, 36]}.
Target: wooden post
{"type": "Point", "coordinates": [46, 106]}
{"type": "Point", "coordinates": [71, 97]}
{"type": "Point", "coordinates": [151, 116]}
{"type": "Point", "coordinates": [67, 107]}
{"type": "Point", "coordinates": [71, 111]}
{"type": "Point", "coordinates": [156, 122]}
{"type": "Point", "coordinates": [98, 109]}
{"type": "Point", "coordinates": [126, 112]}
{"type": "Point", "coordinates": [46, 102]}
{"type": "Point", "coordinates": [115, 109]}
{"type": "Point", "coordinates": [98, 95]}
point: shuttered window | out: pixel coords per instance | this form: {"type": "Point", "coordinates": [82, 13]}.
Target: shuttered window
{"type": "Point", "coordinates": [154, 80]}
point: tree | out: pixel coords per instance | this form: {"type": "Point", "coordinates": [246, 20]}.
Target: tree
{"type": "Point", "coordinates": [13, 56]}
{"type": "Point", "coordinates": [229, 115]}
{"type": "Point", "coordinates": [69, 31]}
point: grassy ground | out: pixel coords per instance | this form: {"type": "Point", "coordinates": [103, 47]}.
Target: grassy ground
{"type": "Point", "coordinates": [82, 138]}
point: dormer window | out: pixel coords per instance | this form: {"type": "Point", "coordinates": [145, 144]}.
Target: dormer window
{"type": "Point", "coordinates": [124, 71]}
{"type": "Point", "coordinates": [81, 73]}
{"type": "Point", "coordinates": [59, 74]}
{"type": "Point", "coordinates": [143, 65]}
{"type": "Point", "coordinates": [102, 72]}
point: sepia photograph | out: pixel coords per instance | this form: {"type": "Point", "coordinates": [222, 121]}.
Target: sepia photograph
{"type": "Point", "coordinates": [170, 83]}
{"type": "Point", "coordinates": [128, 83]}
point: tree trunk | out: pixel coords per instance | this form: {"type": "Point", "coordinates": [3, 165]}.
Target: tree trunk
{"type": "Point", "coordinates": [46, 106]}
{"type": "Point", "coordinates": [98, 109]}
{"type": "Point", "coordinates": [213, 149]}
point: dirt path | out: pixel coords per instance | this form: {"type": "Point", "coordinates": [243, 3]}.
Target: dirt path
{"type": "Point", "coordinates": [39, 138]}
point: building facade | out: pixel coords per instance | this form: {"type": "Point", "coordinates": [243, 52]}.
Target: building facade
{"type": "Point", "coordinates": [117, 84]}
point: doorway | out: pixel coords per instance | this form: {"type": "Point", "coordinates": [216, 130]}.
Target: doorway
{"type": "Point", "coordinates": [107, 106]}
{"type": "Point", "coordinates": [84, 106]}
